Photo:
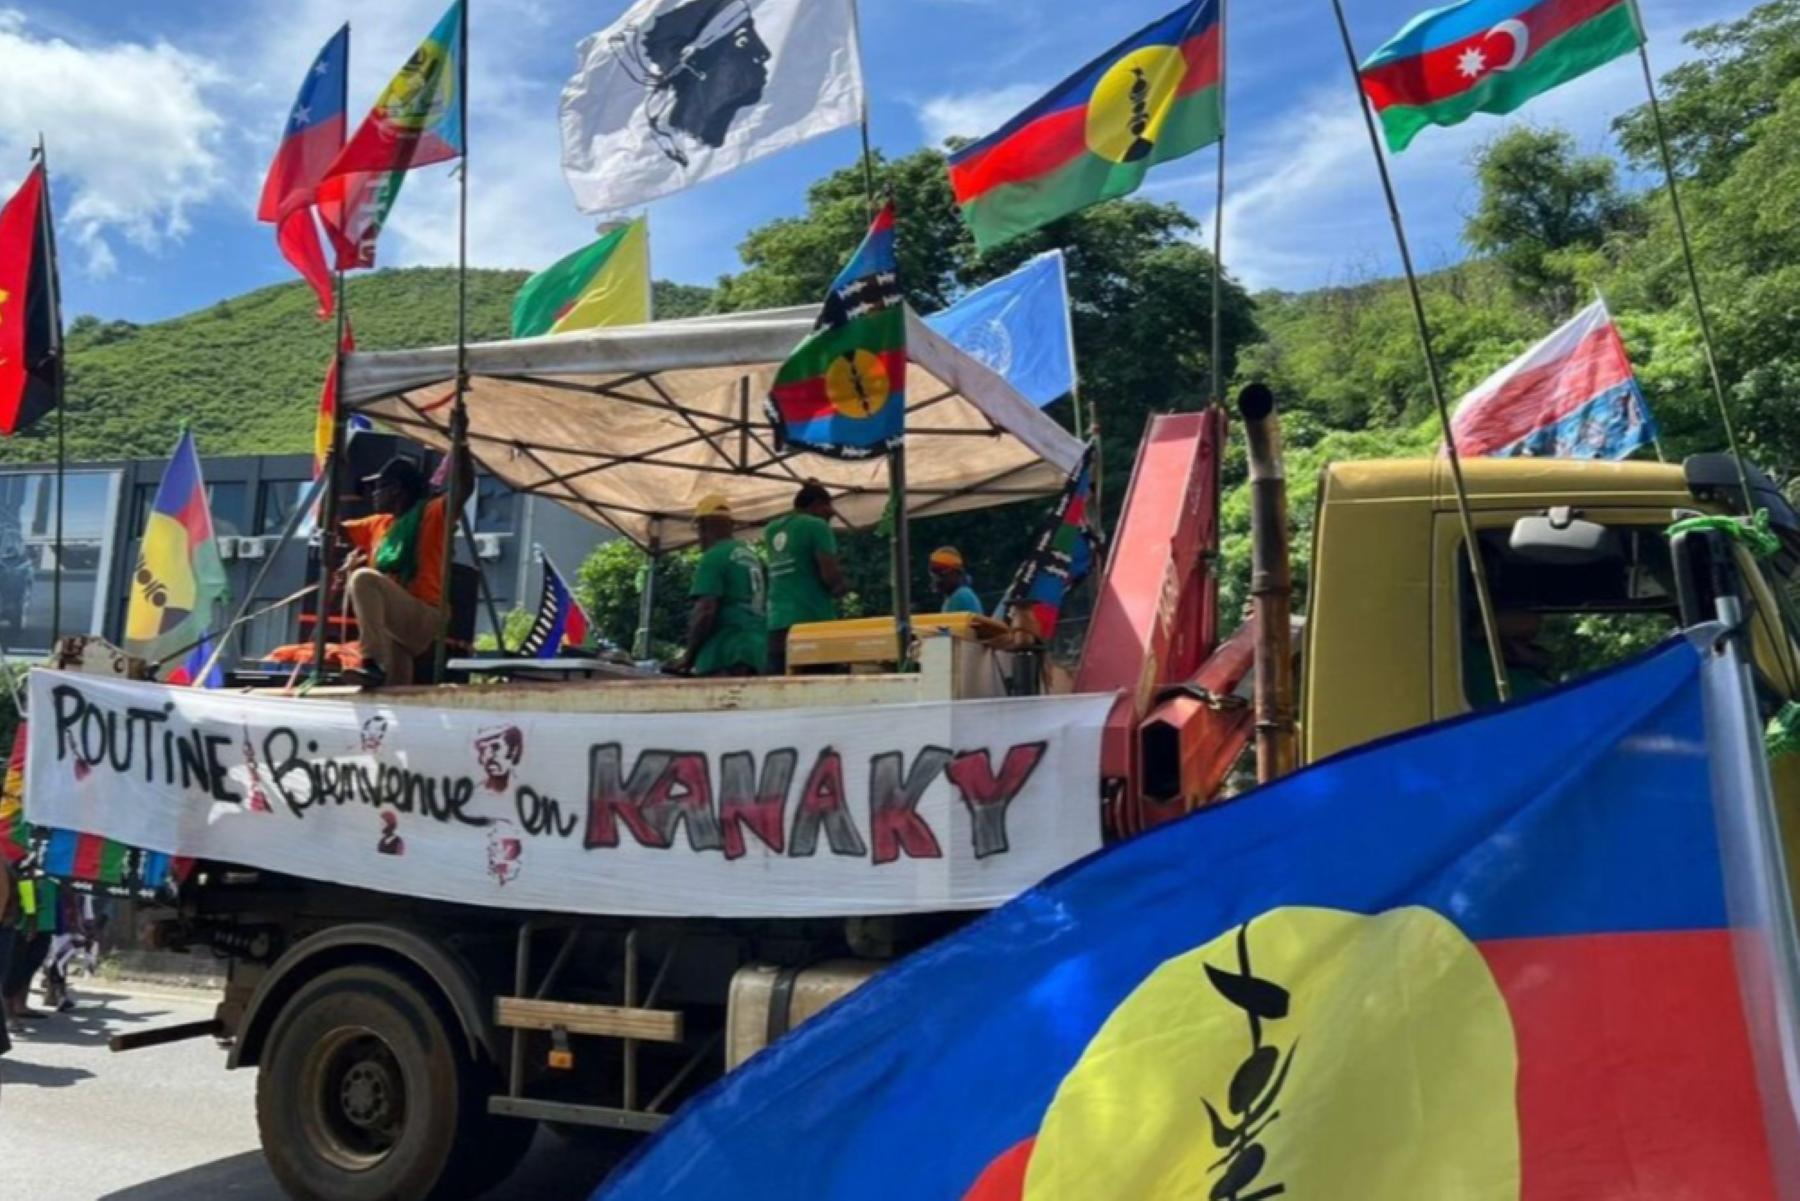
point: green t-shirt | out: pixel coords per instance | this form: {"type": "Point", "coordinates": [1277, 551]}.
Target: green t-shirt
{"type": "Point", "coordinates": [731, 572]}
{"type": "Point", "coordinates": [797, 594]}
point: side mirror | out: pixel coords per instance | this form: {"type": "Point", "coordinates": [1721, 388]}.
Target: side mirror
{"type": "Point", "coordinates": [1561, 539]}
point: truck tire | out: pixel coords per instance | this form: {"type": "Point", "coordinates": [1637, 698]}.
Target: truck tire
{"type": "Point", "coordinates": [364, 1094]}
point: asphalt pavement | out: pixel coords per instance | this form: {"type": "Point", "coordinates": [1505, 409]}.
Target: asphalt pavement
{"type": "Point", "coordinates": [79, 1123]}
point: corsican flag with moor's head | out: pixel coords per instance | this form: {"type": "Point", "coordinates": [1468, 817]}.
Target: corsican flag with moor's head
{"type": "Point", "coordinates": [1490, 56]}
{"type": "Point", "coordinates": [842, 393]}
{"type": "Point", "coordinates": [1152, 98]}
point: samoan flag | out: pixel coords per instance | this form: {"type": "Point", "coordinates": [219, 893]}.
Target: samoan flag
{"type": "Point", "coordinates": [560, 622]}
{"type": "Point", "coordinates": [842, 393]}
{"type": "Point", "coordinates": [1018, 327]}
{"type": "Point", "coordinates": [178, 579]}
{"type": "Point", "coordinates": [1063, 555]}
{"type": "Point", "coordinates": [1572, 396]}
{"type": "Point", "coordinates": [1398, 975]}
{"type": "Point", "coordinates": [312, 138]}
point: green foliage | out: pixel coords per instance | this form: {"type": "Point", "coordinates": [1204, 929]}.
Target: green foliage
{"type": "Point", "coordinates": [612, 579]}
{"type": "Point", "coordinates": [1543, 208]}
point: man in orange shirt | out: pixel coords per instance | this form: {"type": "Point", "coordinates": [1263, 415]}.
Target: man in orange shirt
{"type": "Point", "coordinates": [396, 573]}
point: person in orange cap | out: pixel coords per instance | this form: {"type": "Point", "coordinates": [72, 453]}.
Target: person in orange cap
{"type": "Point", "coordinates": [951, 581]}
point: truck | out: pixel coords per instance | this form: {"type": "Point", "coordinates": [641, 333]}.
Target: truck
{"type": "Point", "coordinates": [409, 1048]}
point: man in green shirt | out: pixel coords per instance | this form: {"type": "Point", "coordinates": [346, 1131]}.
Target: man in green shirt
{"type": "Point", "coordinates": [805, 578]}
{"type": "Point", "coordinates": [726, 632]}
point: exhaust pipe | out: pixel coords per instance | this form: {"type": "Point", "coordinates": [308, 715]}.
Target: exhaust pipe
{"type": "Point", "coordinates": [1271, 587]}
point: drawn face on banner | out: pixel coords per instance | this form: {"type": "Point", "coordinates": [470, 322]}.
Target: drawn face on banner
{"type": "Point", "coordinates": [703, 63]}
{"type": "Point", "coordinates": [1290, 1057]}
{"type": "Point", "coordinates": [500, 751]}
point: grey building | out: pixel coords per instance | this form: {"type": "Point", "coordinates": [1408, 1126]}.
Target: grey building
{"type": "Point", "coordinates": [251, 498]}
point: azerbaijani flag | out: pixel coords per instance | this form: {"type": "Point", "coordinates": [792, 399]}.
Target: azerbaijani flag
{"type": "Point", "coordinates": [1063, 555]}
{"type": "Point", "coordinates": [1151, 99]}
{"type": "Point", "coordinates": [842, 393]}
{"type": "Point", "coordinates": [1490, 56]}
{"type": "Point", "coordinates": [310, 141]}
{"type": "Point", "coordinates": [607, 283]}
{"type": "Point", "coordinates": [1572, 396]}
{"type": "Point", "coordinates": [178, 578]}
{"type": "Point", "coordinates": [561, 621]}
{"type": "Point", "coordinates": [1398, 975]}
{"type": "Point", "coordinates": [416, 121]}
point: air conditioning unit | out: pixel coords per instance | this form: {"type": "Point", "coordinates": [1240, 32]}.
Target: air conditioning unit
{"type": "Point", "coordinates": [253, 548]}
{"type": "Point", "coordinates": [228, 546]}
{"type": "Point", "coordinates": [487, 546]}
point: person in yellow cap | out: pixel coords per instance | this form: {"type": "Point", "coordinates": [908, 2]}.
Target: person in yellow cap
{"type": "Point", "coordinates": [951, 581]}
{"type": "Point", "coordinates": [727, 635]}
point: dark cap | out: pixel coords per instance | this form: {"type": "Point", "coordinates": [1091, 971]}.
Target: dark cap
{"type": "Point", "coordinates": [399, 472]}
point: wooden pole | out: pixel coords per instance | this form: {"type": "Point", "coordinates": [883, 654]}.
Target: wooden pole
{"type": "Point", "coordinates": [1484, 597]}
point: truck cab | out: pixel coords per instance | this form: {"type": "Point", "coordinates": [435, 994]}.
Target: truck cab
{"type": "Point", "coordinates": [1393, 633]}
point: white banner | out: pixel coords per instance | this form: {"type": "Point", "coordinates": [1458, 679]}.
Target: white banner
{"type": "Point", "coordinates": [883, 809]}
{"type": "Point", "coordinates": [678, 91]}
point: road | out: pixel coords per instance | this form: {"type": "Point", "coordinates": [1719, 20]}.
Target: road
{"type": "Point", "coordinates": [79, 1123]}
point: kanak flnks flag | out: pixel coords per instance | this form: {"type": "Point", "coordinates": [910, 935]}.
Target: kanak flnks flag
{"type": "Point", "coordinates": [310, 142]}
{"type": "Point", "coordinates": [1063, 555]}
{"type": "Point", "coordinates": [1398, 975]}
{"type": "Point", "coordinates": [29, 345]}
{"type": "Point", "coordinates": [178, 579]}
{"type": "Point", "coordinates": [416, 121]}
{"type": "Point", "coordinates": [676, 92]}
{"type": "Point", "coordinates": [1152, 98]}
{"type": "Point", "coordinates": [842, 393]}
{"type": "Point", "coordinates": [602, 284]}
{"type": "Point", "coordinates": [1572, 396]}
{"type": "Point", "coordinates": [561, 621]}
{"type": "Point", "coordinates": [1490, 56]}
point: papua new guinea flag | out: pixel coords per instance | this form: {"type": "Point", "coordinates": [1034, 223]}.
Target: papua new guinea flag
{"type": "Point", "coordinates": [1399, 975]}
{"type": "Point", "coordinates": [842, 393]}
{"type": "Point", "coordinates": [29, 348]}
{"type": "Point", "coordinates": [1152, 98]}
{"type": "Point", "coordinates": [1490, 56]}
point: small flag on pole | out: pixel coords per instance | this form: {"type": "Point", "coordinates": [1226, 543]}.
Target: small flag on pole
{"type": "Point", "coordinates": [417, 121]}
{"type": "Point", "coordinates": [842, 393]}
{"type": "Point", "coordinates": [605, 283]}
{"type": "Point", "coordinates": [1490, 56]}
{"type": "Point", "coordinates": [179, 578]}
{"type": "Point", "coordinates": [1153, 98]}
{"type": "Point", "coordinates": [1063, 555]}
{"type": "Point", "coordinates": [311, 140]}
{"type": "Point", "coordinates": [561, 621]}
{"type": "Point", "coordinates": [1572, 396]}
{"type": "Point", "coordinates": [29, 347]}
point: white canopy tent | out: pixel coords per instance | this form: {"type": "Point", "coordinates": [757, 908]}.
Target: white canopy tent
{"type": "Point", "coordinates": [631, 426]}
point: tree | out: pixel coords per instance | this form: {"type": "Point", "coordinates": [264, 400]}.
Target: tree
{"type": "Point", "coordinates": [1542, 207]}
{"type": "Point", "coordinates": [1712, 105]}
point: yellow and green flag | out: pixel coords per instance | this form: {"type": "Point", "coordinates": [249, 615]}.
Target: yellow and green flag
{"type": "Point", "coordinates": [607, 283]}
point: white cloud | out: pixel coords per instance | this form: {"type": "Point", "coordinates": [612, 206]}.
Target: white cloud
{"type": "Point", "coordinates": [133, 138]}
{"type": "Point", "coordinates": [973, 114]}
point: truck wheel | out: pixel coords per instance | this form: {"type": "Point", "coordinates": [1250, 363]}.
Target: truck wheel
{"type": "Point", "coordinates": [363, 1094]}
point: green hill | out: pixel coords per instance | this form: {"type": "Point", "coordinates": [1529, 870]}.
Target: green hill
{"type": "Point", "coordinates": [245, 373]}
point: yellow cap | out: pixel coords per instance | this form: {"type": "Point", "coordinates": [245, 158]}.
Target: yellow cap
{"type": "Point", "coordinates": [712, 505]}
{"type": "Point", "coordinates": [946, 558]}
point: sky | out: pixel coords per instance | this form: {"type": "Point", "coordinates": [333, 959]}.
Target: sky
{"type": "Point", "coordinates": [160, 117]}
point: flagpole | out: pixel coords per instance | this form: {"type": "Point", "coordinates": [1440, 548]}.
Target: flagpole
{"type": "Point", "coordinates": [1484, 597]}
{"type": "Point", "coordinates": [328, 504]}
{"type": "Point", "coordinates": [900, 559]}
{"type": "Point", "coordinates": [47, 218]}
{"type": "Point", "coordinates": [1218, 263]}
{"type": "Point", "coordinates": [459, 413]}
{"type": "Point", "coordinates": [1687, 257]}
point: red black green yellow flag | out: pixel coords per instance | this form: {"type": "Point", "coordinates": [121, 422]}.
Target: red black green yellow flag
{"type": "Point", "coordinates": [1152, 98]}
{"type": "Point", "coordinates": [29, 350]}
{"type": "Point", "coordinates": [842, 392]}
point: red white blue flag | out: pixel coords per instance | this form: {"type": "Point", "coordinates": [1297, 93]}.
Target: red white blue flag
{"type": "Point", "coordinates": [561, 621]}
{"type": "Point", "coordinates": [309, 144]}
{"type": "Point", "coordinates": [1572, 396]}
